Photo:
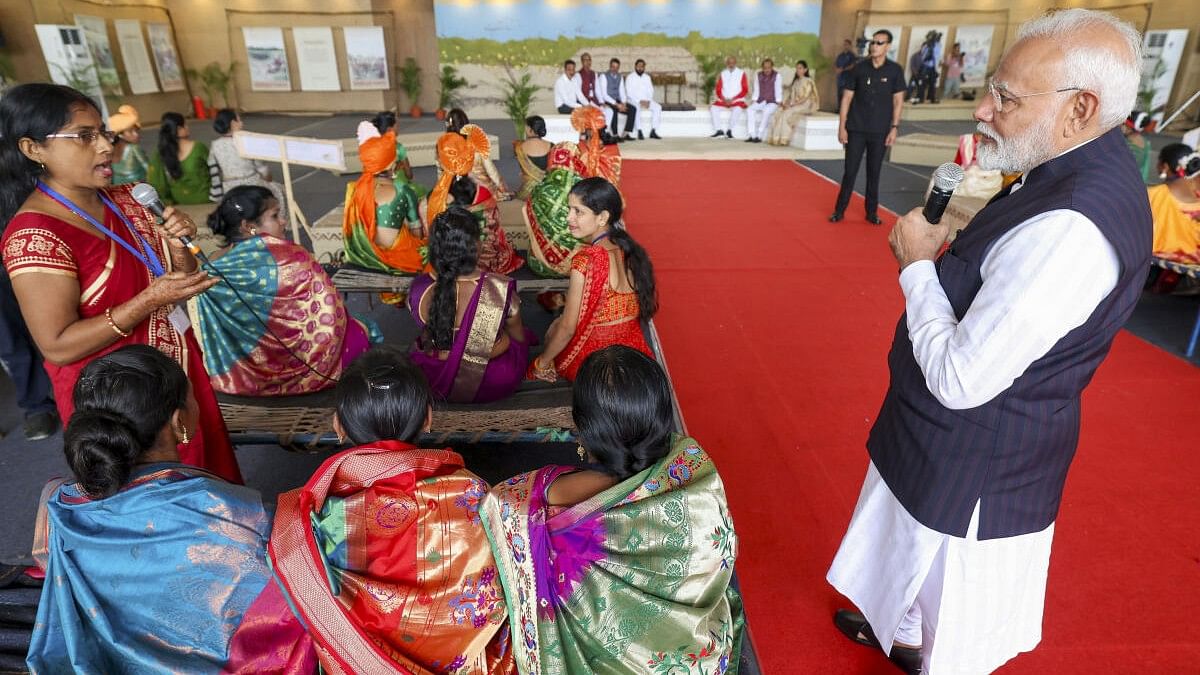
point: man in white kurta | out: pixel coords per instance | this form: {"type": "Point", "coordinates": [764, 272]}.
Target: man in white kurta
{"type": "Point", "coordinates": [970, 604]}
{"type": "Point", "coordinates": [568, 91]}
{"type": "Point", "coordinates": [729, 95]}
{"type": "Point", "coordinates": [768, 94]}
{"type": "Point", "coordinates": [640, 90]}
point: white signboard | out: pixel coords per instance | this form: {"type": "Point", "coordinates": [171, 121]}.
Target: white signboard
{"type": "Point", "coordinates": [138, 70]}
{"type": "Point", "coordinates": [893, 51]}
{"type": "Point", "coordinates": [316, 59]}
{"type": "Point", "coordinates": [1161, 53]}
{"type": "Point", "coordinates": [170, 74]}
{"type": "Point", "coordinates": [95, 34]}
{"type": "Point", "coordinates": [367, 57]}
{"type": "Point", "coordinates": [316, 152]}
{"type": "Point", "coordinates": [976, 44]}
{"type": "Point", "coordinates": [267, 57]}
{"type": "Point", "coordinates": [916, 40]}
{"type": "Point", "coordinates": [69, 60]}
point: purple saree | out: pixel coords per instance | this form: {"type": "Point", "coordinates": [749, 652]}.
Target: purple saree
{"type": "Point", "coordinates": [468, 373]}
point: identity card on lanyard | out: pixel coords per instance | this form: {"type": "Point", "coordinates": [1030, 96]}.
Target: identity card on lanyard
{"type": "Point", "coordinates": [143, 251]}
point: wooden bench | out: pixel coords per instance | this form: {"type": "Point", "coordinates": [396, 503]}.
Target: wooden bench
{"type": "Point", "coordinates": [537, 412]}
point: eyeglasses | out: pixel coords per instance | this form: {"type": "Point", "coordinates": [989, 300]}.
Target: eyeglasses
{"type": "Point", "coordinates": [88, 136]}
{"type": "Point", "coordinates": [1004, 99]}
{"type": "Point", "coordinates": [879, 42]}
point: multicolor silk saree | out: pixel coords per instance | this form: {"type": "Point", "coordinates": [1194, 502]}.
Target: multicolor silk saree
{"type": "Point", "coordinates": [633, 580]}
{"type": "Point", "coordinates": [168, 575]}
{"type": "Point", "coordinates": [469, 373]}
{"type": "Point", "coordinates": [606, 317]}
{"type": "Point", "coordinates": [545, 212]}
{"type": "Point", "coordinates": [289, 291]}
{"type": "Point", "coordinates": [383, 556]}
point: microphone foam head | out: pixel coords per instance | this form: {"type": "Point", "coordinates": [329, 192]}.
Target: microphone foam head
{"type": "Point", "coordinates": [948, 176]}
{"type": "Point", "coordinates": [145, 194]}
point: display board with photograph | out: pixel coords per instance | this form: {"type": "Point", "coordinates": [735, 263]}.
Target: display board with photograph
{"type": "Point", "coordinates": [166, 58]}
{"type": "Point", "coordinates": [976, 44]}
{"type": "Point", "coordinates": [316, 59]}
{"type": "Point", "coordinates": [1162, 51]}
{"type": "Point", "coordinates": [138, 70]}
{"type": "Point", "coordinates": [267, 59]}
{"type": "Point", "coordinates": [95, 34]}
{"type": "Point", "coordinates": [366, 54]}
{"type": "Point", "coordinates": [69, 61]}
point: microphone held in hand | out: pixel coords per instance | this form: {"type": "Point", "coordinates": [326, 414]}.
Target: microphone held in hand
{"type": "Point", "coordinates": [945, 179]}
{"type": "Point", "coordinates": [147, 196]}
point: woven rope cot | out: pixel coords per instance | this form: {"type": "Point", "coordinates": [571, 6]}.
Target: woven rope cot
{"type": "Point", "coordinates": [536, 412]}
{"type": "Point", "coordinates": [356, 280]}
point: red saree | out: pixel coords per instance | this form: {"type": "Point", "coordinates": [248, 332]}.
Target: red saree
{"type": "Point", "coordinates": [108, 276]}
{"type": "Point", "coordinates": [385, 559]}
{"type": "Point", "coordinates": [606, 317]}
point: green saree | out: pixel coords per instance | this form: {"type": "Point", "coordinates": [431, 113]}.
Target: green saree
{"type": "Point", "coordinates": [633, 580]}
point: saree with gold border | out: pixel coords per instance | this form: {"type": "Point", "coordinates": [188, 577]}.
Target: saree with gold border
{"type": "Point", "coordinates": [634, 580]}
{"type": "Point", "coordinates": [167, 575]}
{"type": "Point", "coordinates": [384, 558]}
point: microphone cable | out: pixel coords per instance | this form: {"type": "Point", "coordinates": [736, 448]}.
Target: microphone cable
{"type": "Point", "coordinates": [205, 262]}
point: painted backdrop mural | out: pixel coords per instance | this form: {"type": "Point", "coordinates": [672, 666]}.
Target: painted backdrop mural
{"type": "Point", "coordinates": [545, 32]}
{"type": "Point", "coordinates": [489, 39]}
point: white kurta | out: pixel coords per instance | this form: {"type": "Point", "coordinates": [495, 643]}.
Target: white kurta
{"type": "Point", "coordinates": [569, 91]}
{"type": "Point", "coordinates": [640, 89]}
{"type": "Point", "coordinates": [974, 604]}
{"type": "Point", "coordinates": [763, 110]}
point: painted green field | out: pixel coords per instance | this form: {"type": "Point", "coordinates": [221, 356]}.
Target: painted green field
{"type": "Point", "coordinates": [783, 48]}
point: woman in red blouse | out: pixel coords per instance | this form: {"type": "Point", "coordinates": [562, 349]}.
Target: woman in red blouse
{"type": "Point", "coordinates": [611, 288]}
{"type": "Point", "coordinates": [91, 270]}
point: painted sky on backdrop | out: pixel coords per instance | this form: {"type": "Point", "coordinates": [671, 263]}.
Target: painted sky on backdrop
{"type": "Point", "coordinates": [505, 20]}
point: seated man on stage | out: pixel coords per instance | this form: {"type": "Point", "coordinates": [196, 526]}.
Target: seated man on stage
{"type": "Point", "coordinates": [568, 92]}
{"type": "Point", "coordinates": [639, 91]}
{"type": "Point", "coordinates": [730, 95]}
{"type": "Point", "coordinates": [611, 90]}
{"type": "Point", "coordinates": [768, 92]}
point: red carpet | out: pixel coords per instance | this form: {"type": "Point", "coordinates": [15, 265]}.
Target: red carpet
{"type": "Point", "coordinates": [775, 325]}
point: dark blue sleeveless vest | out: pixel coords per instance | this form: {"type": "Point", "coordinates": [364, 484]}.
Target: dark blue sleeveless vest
{"type": "Point", "coordinates": [1012, 453]}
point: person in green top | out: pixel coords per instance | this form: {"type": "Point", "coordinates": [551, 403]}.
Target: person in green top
{"type": "Point", "coordinates": [129, 164]}
{"type": "Point", "coordinates": [179, 169]}
{"type": "Point", "coordinates": [380, 227]}
{"type": "Point", "coordinates": [386, 121]}
{"type": "Point", "coordinates": [1139, 145]}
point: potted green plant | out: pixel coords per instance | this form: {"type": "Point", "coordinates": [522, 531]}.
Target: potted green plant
{"type": "Point", "coordinates": [410, 82]}
{"type": "Point", "coordinates": [710, 70]}
{"type": "Point", "coordinates": [517, 95]}
{"type": "Point", "coordinates": [213, 80]}
{"type": "Point", "coordinates": [450, 83]}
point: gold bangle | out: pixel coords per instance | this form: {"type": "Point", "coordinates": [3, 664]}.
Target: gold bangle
{"type": "Point", "coordinates": [113, 324]}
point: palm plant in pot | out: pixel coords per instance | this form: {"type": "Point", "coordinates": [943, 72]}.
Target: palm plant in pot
{"type": "Point", "coordinates": [451, 83]}
{"type": "Point", "coordinates": [517, 96]}
{"type": "Point", "coordinates": [410, 82]}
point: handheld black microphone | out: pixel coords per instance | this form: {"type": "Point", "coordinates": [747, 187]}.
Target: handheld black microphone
{"type": "Point", "coordinates": [945, 179]}
{"type": "Point", "coordinates": [147, 196]}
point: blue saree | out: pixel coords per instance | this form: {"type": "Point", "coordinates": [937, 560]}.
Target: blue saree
{"type": "Point", "coordinates": [167, 575]}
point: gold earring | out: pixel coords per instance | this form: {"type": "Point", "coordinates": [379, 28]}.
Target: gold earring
{"type": "Point", "coordinates": [253, 231]}
{"type": "Point", "coordinates": [582, 453]}
{"type": "Point", "coordinates": [183, 433]}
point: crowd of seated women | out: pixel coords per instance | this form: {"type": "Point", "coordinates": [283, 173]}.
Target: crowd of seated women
{"type": "Point", "coordinates": [392, 557]}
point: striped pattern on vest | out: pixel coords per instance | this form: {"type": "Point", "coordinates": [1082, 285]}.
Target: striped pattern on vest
{"type": "Point", "coordinates": [1012, 453]}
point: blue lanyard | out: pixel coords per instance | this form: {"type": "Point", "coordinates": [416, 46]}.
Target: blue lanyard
{"type": "Point", "coordinates": [599, 239]}
{"type": "Point", "coordinates": [146, 256]}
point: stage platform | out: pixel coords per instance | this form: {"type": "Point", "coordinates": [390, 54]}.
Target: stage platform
{"type": "Point", "coordinates": [818, 132]}
{"type": "Point", "coordinates": [951, 110]}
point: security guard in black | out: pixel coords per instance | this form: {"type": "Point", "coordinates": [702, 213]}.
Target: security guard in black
{"type": "Point", "coordinates": [868, 122]}
{"type": "Point", "coordinates": [871, 108]}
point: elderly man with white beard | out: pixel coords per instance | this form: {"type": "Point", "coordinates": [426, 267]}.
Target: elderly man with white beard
{"type": "Point", "coordinates": [947, 551]}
